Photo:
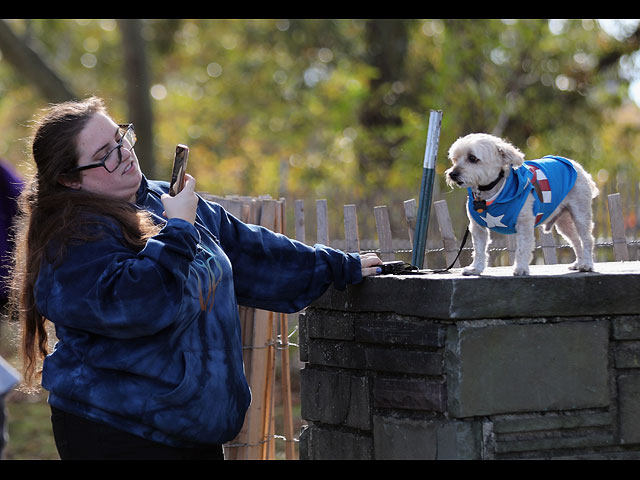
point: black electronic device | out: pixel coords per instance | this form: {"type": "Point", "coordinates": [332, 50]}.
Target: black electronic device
{"type": "Point", "coordinates": [179, 169]}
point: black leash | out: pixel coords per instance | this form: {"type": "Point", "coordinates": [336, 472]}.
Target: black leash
{"type": "Point", "coordinates": [462, 244]}
{"type": "Point", "coordinates": [404, 268]}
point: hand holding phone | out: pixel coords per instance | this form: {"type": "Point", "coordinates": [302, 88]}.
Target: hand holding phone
{"type": "Point", "coordinates": [185, 204]}
{"type": "Point", "coordinates": [179, 169]}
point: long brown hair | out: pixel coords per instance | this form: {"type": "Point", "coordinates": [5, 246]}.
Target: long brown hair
{"type": "Point", "coordinates": [51, 216]}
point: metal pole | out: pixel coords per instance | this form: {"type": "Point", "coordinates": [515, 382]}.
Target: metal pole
{"type": "Point", "coordinates": [426, 188]}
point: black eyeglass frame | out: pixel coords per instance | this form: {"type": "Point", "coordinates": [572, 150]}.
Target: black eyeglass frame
{"type": "Point", "coordinates": [102, 163]}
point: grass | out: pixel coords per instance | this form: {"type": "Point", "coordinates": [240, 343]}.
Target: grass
{"type": "Point", "coordinates": [29, 428]}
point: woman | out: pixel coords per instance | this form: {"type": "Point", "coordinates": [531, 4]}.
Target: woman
{"type": "Point", "coordinates": [143, 290]}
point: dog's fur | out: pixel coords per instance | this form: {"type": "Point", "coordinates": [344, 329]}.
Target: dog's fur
{"type": "Point", "coordinates": [477, 160]}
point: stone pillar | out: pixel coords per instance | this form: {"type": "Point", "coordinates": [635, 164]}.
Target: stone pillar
{"type": "Point", "coordinates": [492, 367]}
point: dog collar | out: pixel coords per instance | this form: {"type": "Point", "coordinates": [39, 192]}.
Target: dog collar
{"type": "Point", "coordinates": [484, 188]}
{"type": "Point", "coordinates": [481, 205]}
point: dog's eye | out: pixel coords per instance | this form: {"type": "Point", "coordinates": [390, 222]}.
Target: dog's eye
{"type": "Point", "coordinates": [473, 159]}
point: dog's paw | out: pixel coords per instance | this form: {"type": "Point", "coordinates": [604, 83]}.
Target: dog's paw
{"type": "Point", "coordinates": [469, 271]}
{"type": "Point", "coordinates": [521, 271]}
{"type": "Point", "coordinates": [581, 267]}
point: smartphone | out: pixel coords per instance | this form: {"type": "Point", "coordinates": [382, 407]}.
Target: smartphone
{"type": "Point", "coordinates": [179, 169]}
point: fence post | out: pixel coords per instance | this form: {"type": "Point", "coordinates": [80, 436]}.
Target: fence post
{"type": "Point", "coordinates": [446, 232]}
{"type": "Point", "coordinates": [618, 236]}
{"type": "Point", "coordinates": [352, 240]}
{"type": "Point", "coordinates": [548, 247]}
{"type": "Point", "coordinates": [384, 233]}
{"type": "Point", "coordinates": [410, 215]}
{"type": "Point", "coordinates": [323, 222]}
{"type": "Point", "coordinates": [511, 248]}
{"type": "Point", "coordinates": [299, 220]}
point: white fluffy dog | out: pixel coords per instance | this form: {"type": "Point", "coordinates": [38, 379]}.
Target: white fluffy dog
{"type": "Point", "coordinates": [509, 195]}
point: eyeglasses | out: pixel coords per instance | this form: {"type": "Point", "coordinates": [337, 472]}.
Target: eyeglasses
{"type": "Point", "coordinates": [112, 162]}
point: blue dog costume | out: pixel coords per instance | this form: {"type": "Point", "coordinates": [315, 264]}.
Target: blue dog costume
{"type": "Point", "coordinates": [550, 178]}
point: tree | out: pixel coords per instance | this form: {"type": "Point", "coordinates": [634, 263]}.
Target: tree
{"type": "Point", "coordinates": [137, 75]}
{"type": "Point", "coordinates": [33, 67]}
{"type": "Point", "coordinates": [386, 51]}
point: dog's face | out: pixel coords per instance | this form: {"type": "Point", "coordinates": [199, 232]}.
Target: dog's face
{"type": "Point", "coordinates": [478, 158]}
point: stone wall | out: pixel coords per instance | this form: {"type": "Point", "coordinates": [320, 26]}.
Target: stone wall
{"type": "Point", "coordinates": [443, 366]}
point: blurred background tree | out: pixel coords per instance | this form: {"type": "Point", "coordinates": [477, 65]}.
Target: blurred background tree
{"type": "Point", "coordinates": [325, 108]}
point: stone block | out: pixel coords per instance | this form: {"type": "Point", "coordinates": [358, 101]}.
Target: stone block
{"type": "Point", "coordinates": [335, 353]}
{"type": "Point", "coordinates": [459, 441]}
{"type": "Point", "coordinates": [409, 394]}
{"type": "Point", "coordinates": [421, 439]}
{"type": "Point", "coordinates": [627, 354]}
{"type": "Point", "coordinates": [613, 289]}
{"type": "Point", "coordinates": [404, 439]}
{"type": "Point", "coordinates": [303, 337]}
{"type": "Point", "coordinates": [547, 442]}
{"type": "Point", "coordinates": [507, 368]}
{"type": "Point", "coordinates": [352, 355]}
{"type": "Point", "coordinates": [330, 325]}
{"type": "Point", "coordinates": [626, 328]}
{"type": "Point", "coordinates": [303, 443]}
{"type": "Point", "coordinates": [539, 435]}
{"type": "Point", "coordinates": [629, 405]}
{"type": "Point", "coordinates": [395, 330]}
{"type": "Point", "coordinates": [335, 398]}
{"type": "Point", "coordinates": [403, 360]}
{"type": "Point", "coordinates": [319, 443]}
{"type": "Point", "coordinates": [554, 421]}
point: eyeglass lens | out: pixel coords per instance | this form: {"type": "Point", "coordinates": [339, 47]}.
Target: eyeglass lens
{"type": "Point", "coordinates": [127, 141]}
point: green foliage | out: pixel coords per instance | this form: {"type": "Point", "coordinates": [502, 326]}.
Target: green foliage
{"type": "Point", "coordinates": [280, 107]}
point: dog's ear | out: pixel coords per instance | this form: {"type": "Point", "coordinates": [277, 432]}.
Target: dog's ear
{"type": "Point", "coordinates": [510, 154]}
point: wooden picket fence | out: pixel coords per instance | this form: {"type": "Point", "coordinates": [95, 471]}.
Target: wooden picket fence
{"type": "Point", "coordinates": [388, 247]}
{"type": "Point", "coordinates": [265, 334]}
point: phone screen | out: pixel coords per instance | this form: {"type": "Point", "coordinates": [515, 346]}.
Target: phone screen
{"type": "Point", "coordinates": [179, 169]}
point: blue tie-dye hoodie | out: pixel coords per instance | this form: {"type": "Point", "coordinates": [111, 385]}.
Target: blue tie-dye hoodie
{"type": "Point", "coordinates": [140, 345]}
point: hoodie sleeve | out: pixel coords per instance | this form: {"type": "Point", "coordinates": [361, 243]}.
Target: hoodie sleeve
{"type": "Point", "coordinates": [276, 273]}
{"type": "Point", "coordinates": [104, 287]}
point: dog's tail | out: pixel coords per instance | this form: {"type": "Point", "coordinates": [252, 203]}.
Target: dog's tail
{"type": "Point", "coordinates": [592, 185]}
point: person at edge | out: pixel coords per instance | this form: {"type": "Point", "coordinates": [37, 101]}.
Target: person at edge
{"type": "Point", "coordinates": [143, 289]}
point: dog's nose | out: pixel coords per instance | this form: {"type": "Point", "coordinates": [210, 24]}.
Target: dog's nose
{"type": "Point", "coordinates": [453, 175]}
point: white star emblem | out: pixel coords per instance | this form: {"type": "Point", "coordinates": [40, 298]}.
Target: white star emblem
{"type": "Point", "coordinates": [492, 221]}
